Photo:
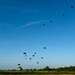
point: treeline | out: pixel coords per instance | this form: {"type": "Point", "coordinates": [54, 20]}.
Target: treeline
{"type": "Point", "coordinates": [47, 68]}
{"type": "Point", "coordinates": [70, 68]}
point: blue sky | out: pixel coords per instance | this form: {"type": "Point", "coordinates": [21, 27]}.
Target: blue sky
{"type": "Point", "coordinates": [22, 30]}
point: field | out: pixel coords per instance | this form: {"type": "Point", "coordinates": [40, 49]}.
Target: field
{"type": "Point", "coordinates": [36, 73]}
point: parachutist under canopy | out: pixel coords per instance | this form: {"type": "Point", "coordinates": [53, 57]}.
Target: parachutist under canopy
{"type": "Point", "coordinates": [37, 62]}
{"type": "Point", "coordinates": [34, 53]}
{"type": "Point", "coordinates": [41, 57]}
{"type": "Point", "coordinates": [30, 58]}
{"type": "Point", "coordinates": [44, 47]}
{"type": "Point", "coordinates": [43, 24]}
{"type": "Point", "coordinates": [72, 6]}
{"type": "Point", "coordinates": [24, 53]}
{"type": "Point", "coordinates": [50, 21]}
{"type": "Point", "coordinates": [62, 14]}
{"type": "Point", "coordinates": [18, 64]}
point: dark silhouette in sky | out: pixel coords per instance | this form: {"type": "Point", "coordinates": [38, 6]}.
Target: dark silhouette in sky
{"type": "Point", "coordinates": [44, 47]}
{"type": "Point", "coordinates": [24, 53]}
{"type": "Point", "coordinates": [37, 62]}
{"type": "Point", "coordinates": [50, 21]}
{"type": "Point", "coordinates": [43, 24]}
{"type": "Point", "coordinates": [62, 14]}
{"type": "Point", "coordinates": [34, 53]}
{"type": "Point", "coordinates": [18, 64]}
{"type": "Point", "coordinates": [30, 58]}
{"type": "Point", "coordinates": [72, 6]}
{"type": "Point", "coordinates": [41, 57]}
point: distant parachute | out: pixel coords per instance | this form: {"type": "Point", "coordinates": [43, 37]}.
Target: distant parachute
{"type": "Point", "coordinates": [50, 21]}
{"type": "Point", "coordinates": [62, 14]}
{"type": "Point", "coordinates": [44, 47]}
{"type": "Point", "coordinates": [72, 6]}
{"type": "Point", "coordinates": [43, 24]}
{"type": "Point", "coordinates": [34, 53]}
{"type": "Point", "coordinates": [41, 57]}
{"type": "Point", "coordinates": [37, 62]}
{"type": "Point", "coordinates": [18, 64]}
{"type": "Point", "coordinates": [24, 53]}
{"type": "Point", "coordinates": [30, 58]}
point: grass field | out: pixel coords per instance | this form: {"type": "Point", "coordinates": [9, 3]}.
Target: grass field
{"type": "Point", "coordinates": [37, 73]}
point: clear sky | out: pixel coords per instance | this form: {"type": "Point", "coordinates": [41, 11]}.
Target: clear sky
{"type": "Point", "coordinates": [22, 30]}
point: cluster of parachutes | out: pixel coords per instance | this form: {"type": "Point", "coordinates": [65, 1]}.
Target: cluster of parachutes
{"type": "Point", "coordinates": [34, 54]}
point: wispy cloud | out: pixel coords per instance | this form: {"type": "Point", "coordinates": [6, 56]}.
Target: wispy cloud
{"type": "Point", "coordinates": [29, 24]}
{"type": "Point", "coordinates": [33, 23]}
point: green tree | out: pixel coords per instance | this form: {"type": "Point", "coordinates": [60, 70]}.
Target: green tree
{"type": "Point", "coordinates": [47, 68]}
{"type": "Point", "coordinates": [20, 68]}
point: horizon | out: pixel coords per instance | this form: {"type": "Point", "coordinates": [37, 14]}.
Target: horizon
{"type": "Point", "coordinates": [43, 27]}
{"type": "Point", "coordinates": [68, 67]}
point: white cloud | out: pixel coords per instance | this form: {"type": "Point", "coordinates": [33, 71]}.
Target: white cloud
{"type": "Point", "coordinates": [29, 24]}
{"type": "Point", "coordinates": [33, 23]}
